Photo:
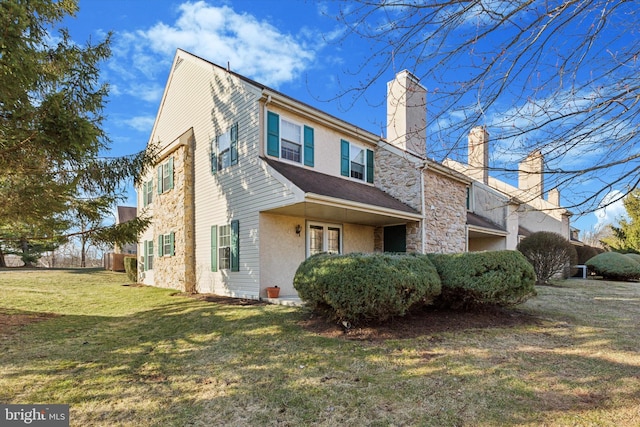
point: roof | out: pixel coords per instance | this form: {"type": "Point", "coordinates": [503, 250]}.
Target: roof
{"type": "Point", "coordinates": [310, 181]}
{"type": "Point", "coordinates": [126, 213]}
{"type": "Point", "coordinates": [480, 221]}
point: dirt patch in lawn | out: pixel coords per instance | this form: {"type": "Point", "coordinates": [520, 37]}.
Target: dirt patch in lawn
{"type": "Point", "coordinates": [223, 300]}
{"type": "Point", "coordinates": [426, 322]}
{"type": "Point", "coordinates": [11, 322]}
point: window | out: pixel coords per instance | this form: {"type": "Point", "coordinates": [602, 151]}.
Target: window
{"type": "Point", "coordinates": [289, 140]}
{"type": "Point", "coordinates": [224, 150]}
{"type": "Point", "coordinates": [148, 255]}
{"type": "Point", "coordinates": [225, 247]}
{"type": "Point", "coordinates": [356, 162]}
{"type": "Point", "coordinates": [147, 193]}
{"type": "Point", "coordinates": [324, 238]}
{"type": "Point", "coordinates": [166, 244]}
{"type": "Point", "coordinates": [165, 176]}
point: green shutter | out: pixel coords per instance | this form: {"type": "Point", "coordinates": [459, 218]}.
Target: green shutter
{"type": "Point", "coordinates": [273, 134]}
{"type": "Point", "coordinates": [234, 144]}
{"type": "Point", "coordinates": [172, 240]}
{"type": "Point", "coordinates": [146, 256]}
{"type": "Point", "coordinates": [370, 166]}
{"type": "Point", "coordinates": [214, 248]}
{"type": "Point", "coordinates": [160, 179]}
{"type": "Point", "coordinates": [170, 173]}
{"type": "Point", "coordinates": [308, 146]}
{"type": "Point", "coordinates": [160, 245]}
{"type": "Point", "coordinates": [235, 245]}
{"type": "Point", "coordinates": [144, 194]}
{"type": "Point", "coordinates": [344, 157]}
{"type": "Point", "coordinates": [214, 155]}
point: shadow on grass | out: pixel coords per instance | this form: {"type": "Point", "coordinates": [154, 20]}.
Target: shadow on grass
{"type": "Point", "coordinates": [211, 364]}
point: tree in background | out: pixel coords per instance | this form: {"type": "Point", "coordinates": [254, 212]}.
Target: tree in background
{"type": "Point", "coordinates": [626, 236]}
{"type": "Point", "coordinates": [51, 136]}
{"type": "Point", "coordinates": [562, 77]}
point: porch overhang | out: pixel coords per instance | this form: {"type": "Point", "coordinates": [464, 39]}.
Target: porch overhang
{"type": "Point", "coordinates": [324, 208]}
{"type": "Point", "coordinates": [479, 227]}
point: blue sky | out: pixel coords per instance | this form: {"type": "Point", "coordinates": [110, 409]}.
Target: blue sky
{"type": "Point", "coordinates": [296, 47]}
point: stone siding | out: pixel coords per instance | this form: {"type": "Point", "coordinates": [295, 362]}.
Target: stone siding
{"type": "Point", "coordinates": [446, 213]}
{"type": "Point", "coordinates": [173, 213]}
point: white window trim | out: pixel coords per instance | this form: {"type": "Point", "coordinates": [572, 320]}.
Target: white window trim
{"type": "Point", "coordinates": [301, 125]}
{"type": "Point", "coordinates": [221, 246]}
{"type": "Point", "coordinates": [325, 235]}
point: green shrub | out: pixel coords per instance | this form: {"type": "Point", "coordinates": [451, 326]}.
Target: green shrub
{"type": "Point", "coordinates": [131, 268]}
{"type": "Point", "coordinates": [484, 278]}
{"type": "Point", "coordinates": [633, 257]}
{"type": "Point", "coordinates": [363, 287]}
{"type": "Point", "coordinates": [585, 253]}
{"type": "Point", "coordinates": [549, 253]}
{"type": "Point", "coordinates": [614, 266]}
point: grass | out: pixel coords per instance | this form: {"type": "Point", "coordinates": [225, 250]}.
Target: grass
{"type": "Point", "coordinates": [139, 356]}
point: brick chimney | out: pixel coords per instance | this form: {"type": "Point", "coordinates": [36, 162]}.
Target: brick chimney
{"type": "Point", "coordinates": [478, 154]}
{"type": "Point", "coordinates": [531, 174]}
{"type": "Point", "coordinates": [407, 113]}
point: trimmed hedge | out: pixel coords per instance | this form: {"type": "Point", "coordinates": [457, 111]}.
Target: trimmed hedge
{"type": "Point", "coordinates": [633, 257]}
{"type": "Point", "coordinates": [131, 268]}
{"type": "Point", "coordinates": [585, 253]}
{"type": "Point", "coordinates": [614, 266]}
{"type": "Point", "coordinates": [472, 279]}
{"type": "Point", "coordinates": [358, 287]}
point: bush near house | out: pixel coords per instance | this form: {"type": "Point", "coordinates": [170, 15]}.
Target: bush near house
{"type": "Point", "coordinates": [614, 266]}
{"type": "Point", "coordinates": [549, 253]}
{"type": "Point", "coordinates": [472, 279]}
{"type": "Point", "coordinates": [585, 253]}
{"type": "Point", "coordinates": [131, 268]}
{"type": "Point", "coordinates": [633, 257]}
{"type": "Point", "coordinates": [366, 287]}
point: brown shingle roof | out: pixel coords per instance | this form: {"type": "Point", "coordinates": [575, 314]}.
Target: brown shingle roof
{"type": "Point", "coordinates": [332, 186]}
{"type": "Point", "coordinates": [479, 221]}
{"type": "Point", "coordinates": [126, 213]}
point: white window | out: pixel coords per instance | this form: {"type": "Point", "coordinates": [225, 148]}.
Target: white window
{"type": "Point", "coordinates": [357, 159]}
{"type": "Point", "coordinates": [165, 176]}
{"type": "Point", "coordinates": [291, 141]}
{"type": "Point", "coordinates": [167, 247]}
{"type": "Point", "coordinates": [224, 247]}
{"type": "Point", "coordinates": [149, 265]}
{"type": "Point", "coordinates": [224, 150]}
{"type": "Point", "coordinates": [323, 238]}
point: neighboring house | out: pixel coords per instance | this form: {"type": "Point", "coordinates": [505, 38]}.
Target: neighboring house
{"type": "Point", "coordinates": [125, 214]}
{"type": "Point", "coordinates": [499, 214]}
{"type": "Point", "coordinates": [250, 182]}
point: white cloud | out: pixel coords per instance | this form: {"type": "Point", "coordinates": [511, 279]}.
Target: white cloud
{"type": "Point", "coordinates": [140, 123]}
{"type": "Point", "coordinates": [218, 33]}
{"type": "Point", "coordinates": [611, 211]}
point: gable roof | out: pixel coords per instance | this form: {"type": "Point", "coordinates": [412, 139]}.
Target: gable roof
{"type": "Point", "coordinates": [332, 186]}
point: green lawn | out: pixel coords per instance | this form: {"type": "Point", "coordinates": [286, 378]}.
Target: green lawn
{"type": "Point", "coordinates": [139, 356]}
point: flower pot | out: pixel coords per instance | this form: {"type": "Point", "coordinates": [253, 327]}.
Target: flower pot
{"type": "Point", "coordinates": [273, 292]}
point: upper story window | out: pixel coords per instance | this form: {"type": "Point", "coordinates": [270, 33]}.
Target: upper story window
{"type": "Point", "coordinates": [166, 244]}
{"type": "Point", "coordinates": [289, 140]}
{"type": "Point", "coordinates": [165, 176]}
{"type": "Point", "coordinates": [147, 193]}
{"type": "Point", "coordinates": [356, 162]}
{"type": "Point", "coordinates": [224, 149]}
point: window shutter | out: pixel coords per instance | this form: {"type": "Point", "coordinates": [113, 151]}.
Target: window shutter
{"type": "Point", "coordinates": [214, 248]}
{"type": "Point", "coordinates": [370, 166]}
{"type": "Point", "coordinates": [172, 240]}
{"type": "Point", "coordinates": [235, 245]}
{"type": "Point", "coordinates": [150, 190]}
{"type": "Point", "coordinates": [146, 256]}
{"type": "Point", "coordinates": [144, 194]}
{"type": "Point", "coordinates": [170, 173]}
{"type": "Point", "coordinates": [308, 146]}
{"type": "Point", "coordinates": [160, 179]}
{"type": "Point", "coordinates": [234, 144]}
{"type": "Point", "coordinates": [214, 155]}
{"type": "Point", "coordinates": [160, 245]}
{"type": "Point", "coordinates": [344, 157]}
{"type": "Point", "coordinates": [273, 134]}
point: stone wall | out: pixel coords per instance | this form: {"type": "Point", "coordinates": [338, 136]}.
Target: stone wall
{"type": "Point", "coordinates": [446, 213]}
{"type": "Point", "coordinates": [173, 213]}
